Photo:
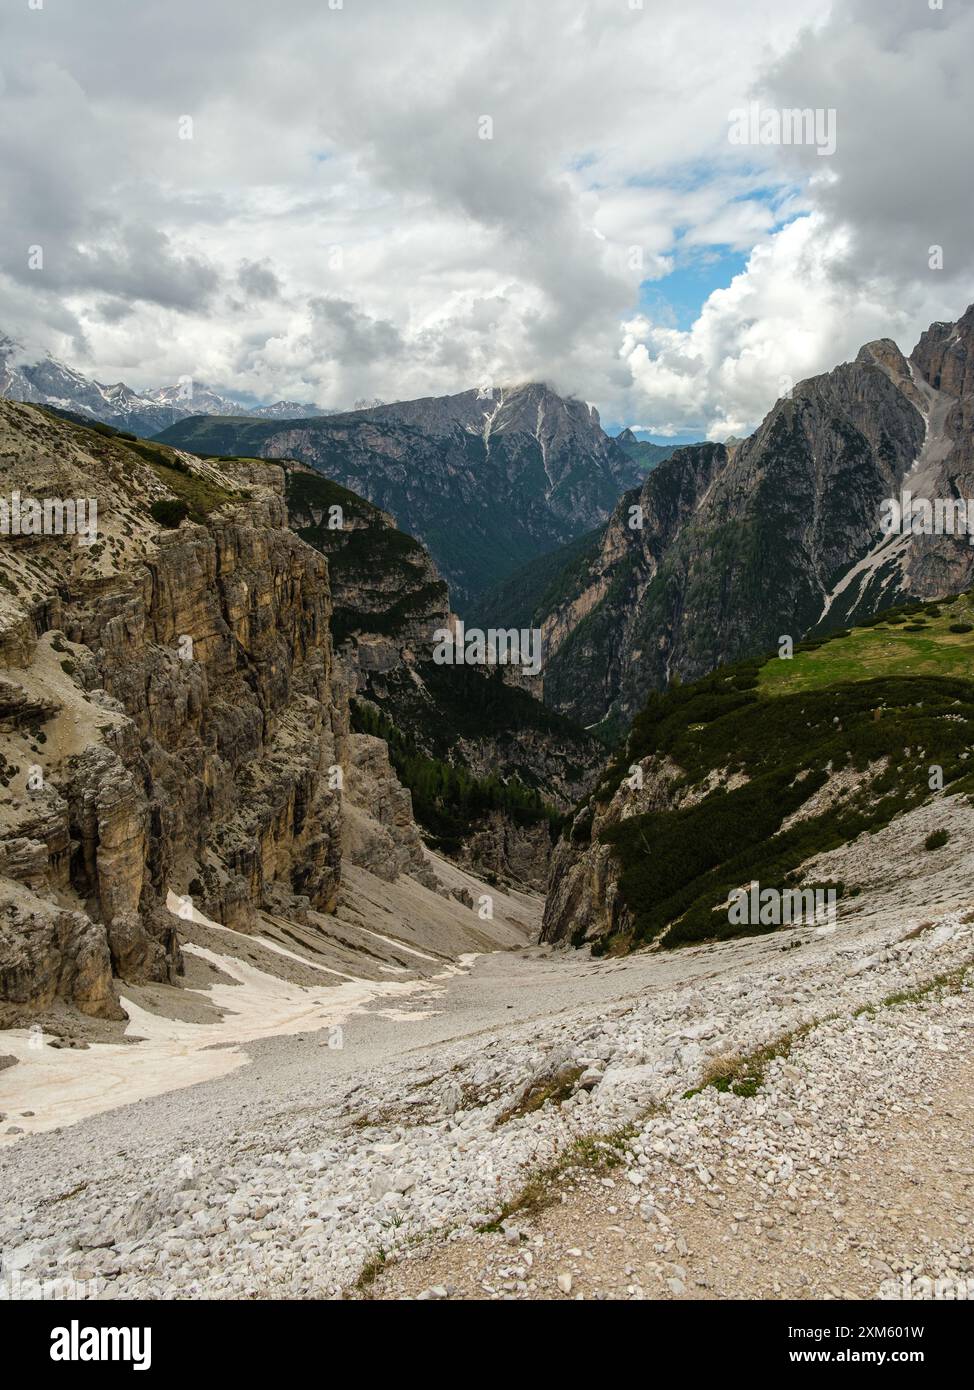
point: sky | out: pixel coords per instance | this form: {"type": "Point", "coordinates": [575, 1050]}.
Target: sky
{"type": "Point", "coordinates": [336, 200]}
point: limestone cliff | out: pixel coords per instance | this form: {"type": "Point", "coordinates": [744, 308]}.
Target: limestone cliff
{"type": "Point", "coordinates": [169, 712]}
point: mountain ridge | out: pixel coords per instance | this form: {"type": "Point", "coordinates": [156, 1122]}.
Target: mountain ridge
{"type": "Point", "coordinates": [48, 381]}
{"type": "Point", "coordinates": [740, 546]}
{"type": "Point", "coordinates": [487, 479]}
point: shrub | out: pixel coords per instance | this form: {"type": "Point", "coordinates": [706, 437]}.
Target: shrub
{"type": "Point", "coordinates": [449, 801]}
{"type": "Point", "coordinates": [678, 866]}
{"type": "Point", "coordinates": [169, 511]}
{"type": "Point", "coordinates": [936, 839]}
{"type": "Point", "coordinates": [961, 627]}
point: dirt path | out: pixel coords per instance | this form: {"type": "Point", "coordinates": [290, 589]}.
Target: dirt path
{"type": "Point", "coordinates": [888, 1222]}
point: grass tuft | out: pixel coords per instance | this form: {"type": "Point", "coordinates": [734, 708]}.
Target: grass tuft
{"type": "Point", "coordinates": [589, 1152]}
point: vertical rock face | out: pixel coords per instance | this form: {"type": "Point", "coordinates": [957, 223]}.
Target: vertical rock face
{"type": "Point", "coordinates": [379, 833]}
{"type": "Point", "coordinates": [775, 536]}
{"type": "Point", "coordinates": [502, 849]}
{"type": "Point", "coordinates": [48, 954]}
{"type": "Point", "coordinates": [584, 903]}
{"type": "Point", "coordinates": [600, 639]}
{"type": "Point", "coordinates": [170, 715]}
{"type": "Point", "coordinates": [236, 740]}
{"type": "Point", "coordinates": [943, 356]}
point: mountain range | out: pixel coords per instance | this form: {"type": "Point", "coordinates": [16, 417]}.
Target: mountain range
{"type": "Point", "coordinates": [641, 563]}
{"type": "Point", "coordinates": [487, 479]}
{"type": "Point", "coordinates": [48, 381]}
{"type": "Point", "coordinates": [725, 548]}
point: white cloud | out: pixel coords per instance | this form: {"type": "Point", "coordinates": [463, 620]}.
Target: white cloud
{"type": "Point", "coordinates": [461, 259]}
{"type": "Point", "coordinates": [856, 265]}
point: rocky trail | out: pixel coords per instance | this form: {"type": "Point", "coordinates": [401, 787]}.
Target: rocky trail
{"type": "Point", "coordinates": [544, 1099]}
{"type": "Point", "coordinates": [861, 1190]}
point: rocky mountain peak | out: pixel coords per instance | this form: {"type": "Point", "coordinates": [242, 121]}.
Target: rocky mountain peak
{"type": "Point", "coordinates": [774, 534]}
{"type": "Point", "coordinates": [944, 356]}
{"type": "Point", "coordinates": [883, 352]}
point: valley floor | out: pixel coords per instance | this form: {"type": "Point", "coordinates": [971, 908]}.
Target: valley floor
{"type": "Point", "coordinates": [541, 1095]}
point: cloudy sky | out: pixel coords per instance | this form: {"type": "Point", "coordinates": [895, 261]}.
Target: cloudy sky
{"type": "Point", "coordinates": [332, 201]}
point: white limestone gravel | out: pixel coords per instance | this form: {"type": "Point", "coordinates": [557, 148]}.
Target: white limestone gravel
{"type": "Point", "coordinates": [291, 1176]}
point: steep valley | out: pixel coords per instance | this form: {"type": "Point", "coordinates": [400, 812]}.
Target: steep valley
{"type": "Point", "coordinates": [289, 998]}
{"type": "Point", "coordinates": [486, 676]}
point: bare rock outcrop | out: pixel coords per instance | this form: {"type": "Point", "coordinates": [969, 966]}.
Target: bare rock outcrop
{"type": "Point", "coordinates": [500, 847]}
{"type": "Point", "coordinates": [584, 903]}
{"type": "Point", "coordinates": [379, 833]}
{"type": "Point", "coordinates": [169, 720]}
{"type": "Point", "coordinates": [49, 954]}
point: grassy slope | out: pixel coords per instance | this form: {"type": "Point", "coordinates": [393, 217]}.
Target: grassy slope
{"type": "Point", "coordinates": [201, 494]}
{"type": "Point", "coordinates": [883, 649]}
{"type": "Point", "coordinates": [882, 697]}
{"type": "Point", "coordinates": [220, 434]}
